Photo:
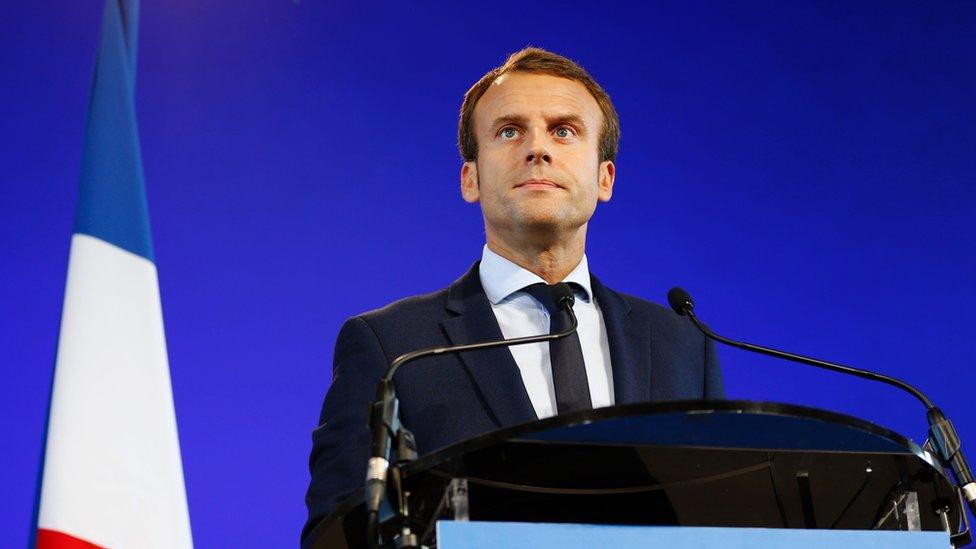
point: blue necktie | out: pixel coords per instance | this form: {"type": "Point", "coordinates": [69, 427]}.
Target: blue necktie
{"type": "Point", "coordinates": [565, 354]}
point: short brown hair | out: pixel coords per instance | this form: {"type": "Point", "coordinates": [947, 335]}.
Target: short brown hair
{"type": "Point", "coordinates": [539, 61]}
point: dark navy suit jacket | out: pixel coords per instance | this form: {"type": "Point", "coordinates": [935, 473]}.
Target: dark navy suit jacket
{"type": "Point", "coordinates": [655, 355]}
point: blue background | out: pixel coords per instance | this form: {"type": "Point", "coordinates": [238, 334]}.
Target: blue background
{"type": "Point", "coordinates": [807, 170]}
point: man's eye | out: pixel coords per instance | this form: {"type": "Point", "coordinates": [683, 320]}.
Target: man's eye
{"type": "Point", "coordinates": [564, 131]}
{"type": "Point", "coordinates": [508, 133]}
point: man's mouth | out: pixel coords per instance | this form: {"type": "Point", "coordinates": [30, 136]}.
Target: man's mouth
{"type": "Point", "coordinates": [537, 184]}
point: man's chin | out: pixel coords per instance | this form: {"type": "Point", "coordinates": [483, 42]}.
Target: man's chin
{"type": "Point", "coordinates": [547, 223]}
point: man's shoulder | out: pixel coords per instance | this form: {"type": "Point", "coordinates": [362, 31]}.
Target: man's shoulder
{"type": "Point", "coordinates": [660, 316]}
{"type": "Point", "coordinates": [405, 325]}
{"type": "Point", "coordinates": [427, 305]}
{"type": "Point", "coordinates": [634, 303]}
{"type": "Point", "coordinates": [644, 306]}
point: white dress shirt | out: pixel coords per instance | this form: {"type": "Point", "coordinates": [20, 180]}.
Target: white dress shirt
{"type": "Point", "coordinates": [519, 314]}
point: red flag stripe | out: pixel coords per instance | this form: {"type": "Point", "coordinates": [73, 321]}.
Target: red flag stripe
{"type": "Point", "coordinates": [52, 539]}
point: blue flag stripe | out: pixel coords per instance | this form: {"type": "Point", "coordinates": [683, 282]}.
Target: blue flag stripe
{"type": "Point", "coordinates": [112, 197]}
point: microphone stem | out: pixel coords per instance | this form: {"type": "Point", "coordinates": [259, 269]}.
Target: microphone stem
{"type": "Point", "coordinates": [865, 374]}
{"type": "Point", "coordinates": [408, 357]}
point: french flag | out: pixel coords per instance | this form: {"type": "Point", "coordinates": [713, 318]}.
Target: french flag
{"type": "Point", "coordinates": [112, 473]}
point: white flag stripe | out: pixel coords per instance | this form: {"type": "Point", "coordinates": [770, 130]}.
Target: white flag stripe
{"type": "Point", "coordinates": [112, 458]}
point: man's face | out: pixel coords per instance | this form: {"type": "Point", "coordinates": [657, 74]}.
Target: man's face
{"type": "Point", "coordinates": [538, 169]}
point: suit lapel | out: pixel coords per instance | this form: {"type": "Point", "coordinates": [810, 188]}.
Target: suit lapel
{"type": "Point", "coordinates": [494, 370]}
{"type": "Point", "coordinates": [629, 337]}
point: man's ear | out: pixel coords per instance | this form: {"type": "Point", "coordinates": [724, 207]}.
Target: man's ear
{"type": "Point", "coordinates": [469, 182]}
{"type": "Point", "coordinates": [607, 174]}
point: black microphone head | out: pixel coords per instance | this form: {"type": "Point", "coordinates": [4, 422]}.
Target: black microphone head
{"type": "Point", "coordinates": [563, 295]}
{"type": "Point", "coordinates": [680, 300]}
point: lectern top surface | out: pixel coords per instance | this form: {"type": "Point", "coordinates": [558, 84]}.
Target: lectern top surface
{"type": "Point", "coordinates": [702, 424]}
{"type": "Point", "coordinates": [723, 429]}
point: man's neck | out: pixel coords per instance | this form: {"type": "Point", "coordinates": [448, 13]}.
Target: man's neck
{"type": "Point", "coordinates": [552, 261]}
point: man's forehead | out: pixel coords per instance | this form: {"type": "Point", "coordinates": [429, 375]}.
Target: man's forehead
{"type": "Point", "coordinates": [534, 78]}
{"type": "Point", "coordinates": [517, 91]}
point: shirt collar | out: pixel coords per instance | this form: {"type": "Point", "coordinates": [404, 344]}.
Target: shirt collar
{"type": "Point", "coordinates": [501, 278]}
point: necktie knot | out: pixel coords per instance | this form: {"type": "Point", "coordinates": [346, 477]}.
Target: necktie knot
{"type": "Point", "coordinates": [549, 294]}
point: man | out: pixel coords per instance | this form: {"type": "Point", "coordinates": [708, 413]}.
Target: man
{"type": "Point", "coordinates": [538, 137]}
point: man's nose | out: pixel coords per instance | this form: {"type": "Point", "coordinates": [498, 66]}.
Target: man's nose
{"type": "Point", "coordinates": [538, 151]}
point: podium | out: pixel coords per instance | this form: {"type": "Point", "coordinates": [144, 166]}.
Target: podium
{"type": "Point", "coordinates": [705, 464]}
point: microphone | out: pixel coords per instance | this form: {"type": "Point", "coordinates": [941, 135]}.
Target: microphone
{"type": "Point", "coordinates": [384, 412]}
{"type": "Point", "coordinates": [943, 438]}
